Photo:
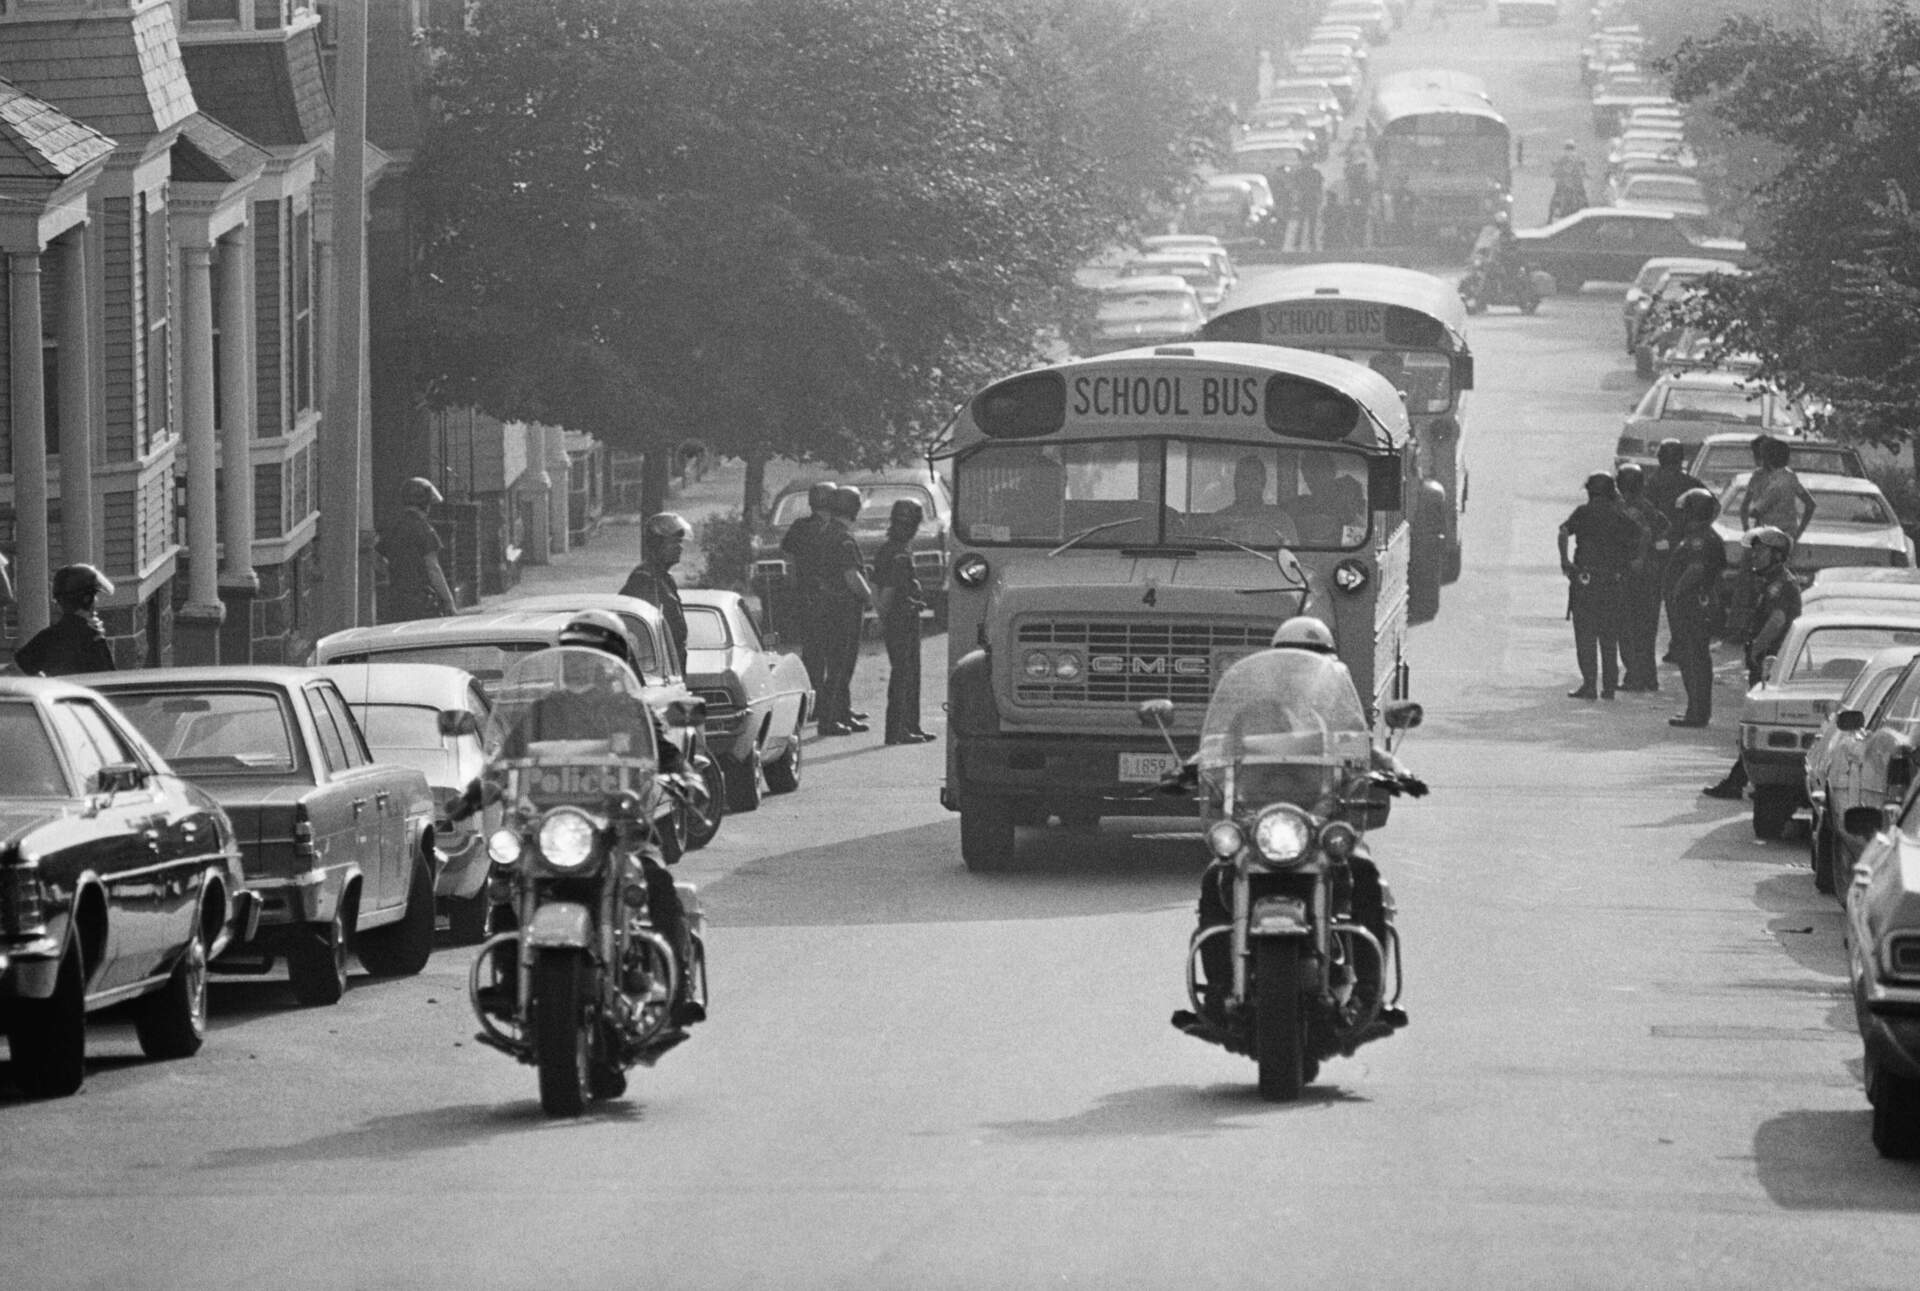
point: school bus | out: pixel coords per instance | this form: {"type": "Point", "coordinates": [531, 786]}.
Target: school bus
{"type": "Point", "coordinates": [1127, 527]}
{"type": "Point", "coordinates": [1412, 328]}
{"type": "Point", "coordinates": [1444, 155]}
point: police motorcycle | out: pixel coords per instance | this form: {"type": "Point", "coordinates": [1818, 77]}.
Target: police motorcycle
{"type": "Point", "coordinates": [1286, 970]}
{"type": "Point", "coordinates": [583, 985]}
{"type": "Point", "coordinates": [1488, 281]}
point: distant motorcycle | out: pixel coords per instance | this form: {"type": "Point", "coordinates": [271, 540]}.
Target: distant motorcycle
{"type": "Point", "coordinates": [1295, 976]}
{"type": "Point", "coordinates": [582, 984]}
{"type": "Point", "coordinates": [1489, 282]}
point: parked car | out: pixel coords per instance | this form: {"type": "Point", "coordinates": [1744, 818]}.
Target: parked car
{"type": "Point", "coordinates": [1691, 350]}
{"type": "Point", "coordinates": [433, 718]}
{"type": "Point", "coordinates": [1883, 968]}
{"type": "Point", "coordinates": [1610, 244]}
{"type": "Point", "coordinates": [773, 572]}
{"type": "Point", "coordinates": [1720, 458]}
{"type": "Point", "coordinates": [1818, 659]}
{"type": "Point", "coordinates": [338, 847]}
{"type": "Point", "coordinates": [1196, 268]}
{"type": "Point", "coordinates": [1371, 16]}
{"type": "Point", "coordinates": [1316, 122]}
{"type": "Point", "coordinates": [1272, 151]}
{"type": "Point", "coordinates": [757, 698]}
{"type": "Point", "coordinates": [1144, 311]}
{"type": "Point", "coordinates": [1656, 278]}
{"type": "Point", "coordinates": [1835, 761]}
{"type": "Point", "coordinates": [119, 881]}
{"type": "Point", "coordinates": [1528, 11]}
{"type": "Point", "coordinates": [1690, 406]}
{"type": "Point", "coordinates": [1680, 194]}
{"type": "Point", "coordinates": [1853, 524]}
{"type": "Point", "coordinates": [1196, 243]}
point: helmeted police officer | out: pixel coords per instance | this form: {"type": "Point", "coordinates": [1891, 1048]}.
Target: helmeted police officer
{"type": "Point", "coordinates": [844, 596]}
{"type": "Point", "coordinates": [1640, 590]}
{"type": "Point", "coordinates": [665, 536]}
{"type": "Point", "coordinates": [898, 602]}
{"type": "Point", "coordinates": [799, 600]}
{"type": "Point", "coordinates": [1692, 596]}
{"type": "Point", "coordinates": [416, 584]}
{"type": "Point", "coordinates": [1608, 543]}
{"type": "Point", "coordinates": [75, 643]}
{"type": "Point", "coordinates": [1776, 604]}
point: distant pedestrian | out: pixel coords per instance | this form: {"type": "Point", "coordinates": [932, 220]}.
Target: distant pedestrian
{"type": "Point", "coordinates": [76, 643]}
{"type": "Point", "coordinates": [1775, 496]}
{"type": "Point", "coordinates": [416, 584]}
{"type": "Point", "coordinates": [898, 602]}
{"type": "Point", "coordinates": [1403, 207]}
{"type": "Point", "coordinates": [844, 595]}
{"type": "Point", "coordinates": [1606, 542]}
{"type": "Point", "coordinates": [665, 540]}
{"type": "Point", "coordinates": [1640, 592]}
{"type": "Point", "coordinates": [799, 597]}
{"type": "Point", "coordinates": [1333, 221]}
{"type": "Point", "coordinates": [1776, 605]}
{"type": "Point", "coordinates": [1308, 196]}
{"type": "Point", "coordinates": [1693, 601]}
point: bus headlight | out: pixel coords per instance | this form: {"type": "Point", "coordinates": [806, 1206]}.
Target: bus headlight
{"type": "Point", "coordinates": [970, 570]}
{"type": "Point", "coordinates": [1282, 834]}
{"type": "Point", "coordinates": [566, 839]}
{"type": "Point", "coordinates": [1038, 665]}
{"type": "Point", "coordinates": [1066, 666]}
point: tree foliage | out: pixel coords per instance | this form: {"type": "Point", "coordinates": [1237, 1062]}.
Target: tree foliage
{"type": "Point", "coordinates": [1833, 305]}
{"type": "Point", "coordinates": [792, 229]}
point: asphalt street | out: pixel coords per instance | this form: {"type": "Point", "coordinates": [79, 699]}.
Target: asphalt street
{"type": "Point", "coordinates": [1631, 1062]}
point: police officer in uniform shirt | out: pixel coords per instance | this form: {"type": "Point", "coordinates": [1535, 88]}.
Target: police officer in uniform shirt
{"type": "Point", "coordinates": [1665, 486]}
{"type": "Point", "coordinates": [665, 536]}
{"type": "Point", "coordinates": [1776, 604]}
{"type": "Point", "coordinates": [76, 643]}
{"type": "Point", "coordinates": [1641, 591]}
{"type": "Point", "coordinates": [801, 542]}
{"type": "Point", "coordinates": [416, 585]}
{"type": "Point", "coordinates": [844, 594]}
{"type": "Point", "coordinates": [1692, 595]}
{"type": "Point", "coordinates": [898, 602]}
{"type": "Point", "coordinates": [1608, 542]}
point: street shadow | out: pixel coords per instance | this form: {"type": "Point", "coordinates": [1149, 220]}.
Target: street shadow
{"type": "Point", "coordinates": [1810, 1160]}
{"type": "Point", "coordinates": [98, 1065]}
{"type": "Point", "coordinates": [916, 876]}
{"type": "Point", "coordinates": [1732, 839]}
{"type": "Point", "coordinates": [409, 1135]}
{"type": "Point", "coordinates": [1182, 1111]}
{"type": "Point", "coordinates": [1807, 926]}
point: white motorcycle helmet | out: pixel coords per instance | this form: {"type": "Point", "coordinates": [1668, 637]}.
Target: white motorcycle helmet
{"type": "Point", "coordinates": [1304, 632]}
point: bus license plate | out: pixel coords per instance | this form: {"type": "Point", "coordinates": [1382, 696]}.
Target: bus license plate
{"type": "Point", "coordinates": [1146, 768]}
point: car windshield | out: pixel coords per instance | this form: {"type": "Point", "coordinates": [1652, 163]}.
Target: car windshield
{"type": "Point", "coordinates": [1663, 188]}
{"type": "Point", "coordinates": [1850, 510]}
{"type": "Point", "coordinates": [486, 660]}
{"type": "Point", "coordinates": [1719, 463]}
{"type": "Point", "coordinates": [1146, 492]}
{"type": "Point", "coordinates": [1838, 653]}
{"type": "Point", "coordinates": [1222, 199]}
{"type": "Point", "coordinates": [1713, 403]}
{"type": "Point", "coordinates": [876, 504]}
{"type": "Point", "coordinates": [31, 768]}
{"type": "Point", "coordinates": [1150, 307]}
{"type": "Point", "coordinates": [1196, 272]}
{"type": "Point", "coordinates": [214, 732]}
{"type": "Point", "coordinates": [706, 628]}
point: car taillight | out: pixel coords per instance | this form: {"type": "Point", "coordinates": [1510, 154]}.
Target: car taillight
{"type": "Point", "coordinates": [303, 845]}
{"type": "Point", "coordinates": [23, 900]}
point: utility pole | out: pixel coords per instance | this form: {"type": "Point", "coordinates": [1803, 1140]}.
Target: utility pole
{"type": "Point", "coordinates": [341, 433]}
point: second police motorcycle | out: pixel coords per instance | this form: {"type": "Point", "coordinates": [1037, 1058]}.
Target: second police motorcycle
{"type": "Point", "coordinates": [1296, 959]}
{"type": "Point", "coordinates": [585, 980]}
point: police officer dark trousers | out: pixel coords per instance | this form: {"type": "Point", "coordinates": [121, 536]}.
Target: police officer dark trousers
{"type": "Point", "coordinates": [1609, 541]}
{"type": "Point", "coordinates": [801, 600]}
{"type": "Point", "coordinates": [1692, 586]}
{"type": "Point", "coordinates": [845, 593]}
{"type": "Point", "coordinates": [897, 592]}
{"type": "Point", "coordinates": [1640, 590]}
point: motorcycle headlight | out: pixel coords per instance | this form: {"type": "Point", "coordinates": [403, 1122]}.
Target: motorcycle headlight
{"type": "Point", "coordinates": [566, 839]}
{"type": "Point", "coordinates": [1339, 839]}
{"type": "Point", "coordinates": [1224, 839]}
{"type": "Point", "coordinates": [1282, 834]}
{"type": "Point", "coordinates": [503, 846]}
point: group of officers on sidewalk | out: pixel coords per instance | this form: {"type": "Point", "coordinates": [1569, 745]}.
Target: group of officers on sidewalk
{"type": "Point", "coordinates": [1643, 540]}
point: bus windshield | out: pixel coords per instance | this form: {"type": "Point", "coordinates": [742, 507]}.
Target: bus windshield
{"type": "Point", "coordinates": [1163, 491]}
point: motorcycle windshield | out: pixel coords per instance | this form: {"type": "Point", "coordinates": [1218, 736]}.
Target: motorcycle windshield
{"type": "Point", "coordinates": [569, 725]}
{"type": "Point", "coordinates": [1283, 726]}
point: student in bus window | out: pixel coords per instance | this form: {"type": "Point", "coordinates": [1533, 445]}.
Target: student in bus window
{"type": "Point", "coordinates": [1333, 505]}
{"type": "Point", "coordinates": [1250, 517]}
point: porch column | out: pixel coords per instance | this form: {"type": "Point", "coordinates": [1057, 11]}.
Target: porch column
{"type": "Point", "coordinates": [236, 407]}
{"type": "Point", "coordinates": [76, 403]}
{"type": "Point", "coordinates": [33, 582]}
{"type": "Point", "coordinates": [197, 623]}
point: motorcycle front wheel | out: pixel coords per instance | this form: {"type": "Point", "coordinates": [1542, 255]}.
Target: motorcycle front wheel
{"type": "Point", "coordinates": [1279, 1028]}
{"type": "Point", "coordinates": [562, 1032]}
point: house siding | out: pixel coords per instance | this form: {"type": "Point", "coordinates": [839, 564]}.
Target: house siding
{"type": "Point", "coordinates": [120, 351]}
{"type": "Point", "coordinates": [120, 511]}
{"type": "Point", "coordinates": [6, 370]}
{"type": "Point", "coordinates": [270, 418]}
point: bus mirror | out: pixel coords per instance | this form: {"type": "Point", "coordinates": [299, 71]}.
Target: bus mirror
{"type": "Point", "coordinates": [1463, 371]}
{"type": "Point", "coordinates": [1383, 482]}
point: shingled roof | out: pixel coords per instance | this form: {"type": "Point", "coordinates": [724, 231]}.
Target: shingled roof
{"type": "Point", "coordinates": [38, 141]}
{"type": "Point", "coordinates": [208, 152]}
{"type": "Point", "coordinates": [121, 75]}
{"type": "Point", "coordinates": [275, 91]}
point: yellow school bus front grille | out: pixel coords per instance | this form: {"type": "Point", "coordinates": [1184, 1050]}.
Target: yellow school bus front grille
{"type": "Point", "coordinates": [1097, 663]}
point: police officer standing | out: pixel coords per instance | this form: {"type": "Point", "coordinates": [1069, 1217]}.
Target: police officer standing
{"type": "Point", "coordinates": [801, 543]}
{"type": "Point", "coordinates": [898, 602]}
{"type": "Point", "coordinates": [844, 595]}
{"type": "Point", "coordinates": [416, 585]}
{"type": "Point", "coordinates": [1641, 590]}
{"type": "Point", "coordinates": [665, 536]}
{"type": "Point", "coordinates": [1776, 604]}
{"type": "Point", "coordinates": [1692, 595]}
{"type": "Point", "coordinates": [76, 643]}
{"type": "Point", "coordinates": [1608, 542]}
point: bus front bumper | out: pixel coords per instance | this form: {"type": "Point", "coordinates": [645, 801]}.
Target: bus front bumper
{"type": "Point", "coordinates": [1059, 768]}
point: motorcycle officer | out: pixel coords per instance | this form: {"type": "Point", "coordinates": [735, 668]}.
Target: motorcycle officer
{"type": "Point", "coordinates": [1364, 895]}
{"type": "Point", "coordinates": [1692, 593]}
{"type": "Point", "coordinates": [666, 537]}
{"type": "Point", "coordinates": [1776, 605]}
{"type": "Point", "coordinates": [1569, 182]}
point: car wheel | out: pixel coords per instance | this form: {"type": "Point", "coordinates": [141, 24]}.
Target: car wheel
{"type": "Point", "coordinates": [1896, 1113]}
{"type": "Point", "coordinates": [317, 962]}
{"type": "Point", "coordinates": [1451, 559]}
{"type": "Point", "coordinates": [783, 776]}
{"type": "Point", "coordinates": [1773, 806]}
{"type": "Point", "coordinates": [172, 1022]}
{"type": "Point", "coordinates": [709, 809]}
{"type": "Point", "coordinates": [743, 783]}
{"type": "Point", "coordinates": [50, 1036]}
{"type": "Point", "coordinates": [1820, 846]}
{"type": "Point", "coordinates": [402, 949]}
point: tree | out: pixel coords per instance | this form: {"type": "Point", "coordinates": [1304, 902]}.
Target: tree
{"type": "Point", "coordinates": [1832, 306]}
{"type": "Point", "coordinates": [787, 229]}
